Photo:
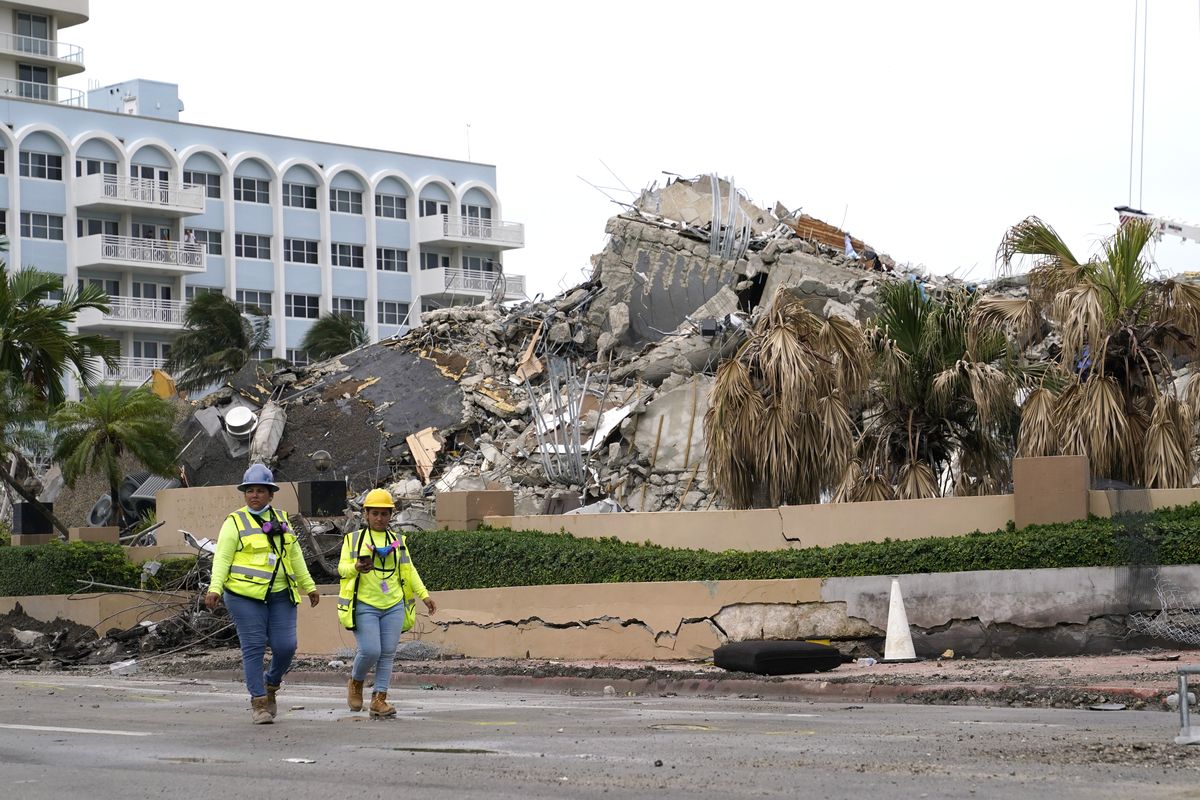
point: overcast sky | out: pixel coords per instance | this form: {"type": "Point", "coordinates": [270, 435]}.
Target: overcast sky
{"type": "Point", "coordinates": [926, 128]}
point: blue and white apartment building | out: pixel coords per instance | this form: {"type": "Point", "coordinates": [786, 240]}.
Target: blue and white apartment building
{"type": "Point", "coordinates": [114, 190]}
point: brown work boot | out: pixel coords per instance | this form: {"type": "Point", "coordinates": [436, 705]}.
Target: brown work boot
{"type": "Point", "coordinates": [272, 708]}
{"type": "Point", "coordinates": [380, 707]}
{"type": "Point", "coordinates": [354, 697]}
{"type": "Point", "coordinates": [259, 712]}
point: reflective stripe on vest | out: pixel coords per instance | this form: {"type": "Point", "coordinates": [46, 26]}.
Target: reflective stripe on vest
{"type": "Point", "coordinates": [344, 601]}
{"type": "Point", "coordinates": [251, 572]}
{"type": "Point", "coordinates": [248, 526]}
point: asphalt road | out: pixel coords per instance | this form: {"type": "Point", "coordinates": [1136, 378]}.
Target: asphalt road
{"type": "Point", "coordinates": [101, 737]}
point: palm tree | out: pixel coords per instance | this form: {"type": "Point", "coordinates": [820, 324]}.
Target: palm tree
{"type": "Point", "coordinates": [332, 335]}
{"type": "Point", "coordinates": [217, 340]}
{"type": "Point", "coordinates": [20, 434]}
{"type": "Point", "coordinates": [779, 428]}
{"type": "Point", "coordinates": [940, 413]}
{"type": "Point", "coordinates": [1116, 334]}
{"type": "Point", "coordinates": [95, 432]}
{"type": "Point", "coordinates": [36, 348]}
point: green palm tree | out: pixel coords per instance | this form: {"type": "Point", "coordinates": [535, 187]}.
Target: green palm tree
{"type": "Point", "coordinates": [217, 340]}
{"type": "Point", "coordinates": [21, 433]}
{"type": "Point", "coordinates": [105, 424]}
{"type": "Point", "coordinates": [779, 428]}
{"type": "Point", "coordinates": [36, 348]}
{"type": "Point", "coordinates": [940, 413]}
{"type": "Point", "coordinates": [332, 335]}
{"type": "Point", "coordinates": [1116, 335]}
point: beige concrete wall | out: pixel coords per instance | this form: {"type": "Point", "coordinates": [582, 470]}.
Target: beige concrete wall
{"type": "Point", "coordinates": [1105, 503]}
{"type": "Point", "coordinates": [642, 621]}
{"type": "Point", "coordinates": [786, 527]}
{"type": "Point", "coordinates": [202, 510]}
{"type": "Point", "coordinates": [100, 611]}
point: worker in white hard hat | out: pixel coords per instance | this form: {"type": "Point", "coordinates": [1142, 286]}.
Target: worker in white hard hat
{"type": "Point", "coordinates": [260, 570]}
{"type": "Point", "coordinates": [379, 592]}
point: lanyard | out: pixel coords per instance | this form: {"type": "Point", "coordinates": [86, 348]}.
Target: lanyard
{"type": "Point", "coordinates": [395, 554]}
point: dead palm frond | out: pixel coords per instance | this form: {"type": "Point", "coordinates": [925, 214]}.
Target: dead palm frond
{"type": "Point", "coordinates": [916, 480]}
{"type": "Point", "coordinates": [1038, 434]}
{"type": "Point", "coordinates": [1167, 457]}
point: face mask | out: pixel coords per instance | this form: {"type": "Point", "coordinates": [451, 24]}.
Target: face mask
{"type": "Point", "coordinates": [264, 509]}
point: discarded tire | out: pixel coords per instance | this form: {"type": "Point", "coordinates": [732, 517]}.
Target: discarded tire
{"type": "Point", "coordinates": [776, 657]}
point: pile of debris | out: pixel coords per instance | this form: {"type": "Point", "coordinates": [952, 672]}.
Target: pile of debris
{"type": "Point", "coordinates": [598, 394]}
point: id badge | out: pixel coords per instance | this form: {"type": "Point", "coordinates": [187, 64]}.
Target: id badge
{"type": "Point", "coordinates": [271, 559]}
{"type": "Point", "coordinates": [383, 586]}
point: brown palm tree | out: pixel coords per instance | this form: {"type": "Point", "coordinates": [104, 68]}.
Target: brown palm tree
{"type": "Point", "coordinates": [1115, 334]}
{"type": "Point", "coordinates": [779, 427]}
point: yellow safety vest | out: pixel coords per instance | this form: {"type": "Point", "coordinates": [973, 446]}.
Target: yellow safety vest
{"type": "Point", "coordinates": [256, 561]}
{"type": "Point", "coordinates": [367, 587]}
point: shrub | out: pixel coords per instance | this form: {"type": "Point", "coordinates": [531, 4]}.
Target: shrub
{"type": "Point", "coordinates": [56, 567]}
{"type": "Point", "coordinates": [486, 558]}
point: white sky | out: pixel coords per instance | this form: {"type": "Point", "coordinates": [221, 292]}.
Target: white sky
{"type": "Point", "coordinates": [931, 127]}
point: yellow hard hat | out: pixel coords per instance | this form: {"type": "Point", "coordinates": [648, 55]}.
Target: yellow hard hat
{"type": "Point", "coordinates": [378, 498]}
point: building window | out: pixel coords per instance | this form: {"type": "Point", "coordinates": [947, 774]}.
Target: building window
{"type": "Point", "coordinates": [297, 358]}
{"type": "Point", "coordinates": [477, 212]}
{"type": "Point", "coordinates": [192, 292]}
{"type": "Point", "coordinates": [109, 286]}
{"type": "Point", "coordinates": [251, 245]}
{"type": "Point", "coordinates": [391, 259]}
{"type": "Point", "coordinates": [391, 206]}
{"type": "Point", "coordinates": [151, 349]}
{"type": "Point", "coordinates": [3, 162]}
{"type": "Point", "coordinates": [301, 251]}
{"type": "Point", "coordinates": [33, 82]}
{"type": "Point", "coordinates": [347, 255]}
{"type": "Point", "coordinates": [33, 33]}
{"type": "Point", "coordinates": [348, 305]}
{"type": "Point", "coordinates": [251, 190]}
{"type": "Point", "coordinates": [434, 208]}
{"type": "Point", "coordinates": [434, 261]}
{"type": "Point", "coordinates": [252, 300]}
{"type": "Point", "coordinates": [41, 226]}
{"type": "Point", "coordinates": [210, 239]}
{"type": "Point", "coordinates": [262, 354]}
{"type": "Point", "coordinates": [94, 166]}
{"type": "Point", "coordinates": [211, 182]}
{"type": "Point", "coordinates": [345, 201]}
{"type": "Point", "coordinates": [302, 306]}
{"type": "Point", "coordinates": [41, 165]}
{"type": "Point", "coordinates": [428, 306]}
{"type": "Point", "coordinates": [391, 313]}
{"type": "Point", "coordinates": [299, 195]}
{"type": "Point", "coordinates": [86, 226]}
{"type": "Point", "coordinates": [3, 222]}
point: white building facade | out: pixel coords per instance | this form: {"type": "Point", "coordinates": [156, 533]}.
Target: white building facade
{"type": "Point", "coordinates": [119, 193]}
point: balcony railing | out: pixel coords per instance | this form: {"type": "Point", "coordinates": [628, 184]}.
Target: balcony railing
{"type": "Point", "coordinates": [119, 191]}
{"type": "Point", "coordinates": [68, 55]}
{"type": "Point", "coordinates": [103, 250]}
{"type": "Point", "coordinates": [44, 92]}
{"type": "Point", "coordinates": [132, 370]}
{"type": "Point", "coordinates": [471, 230]}
{"type": "Point", "coordinates": [477, 280]}
{"type": "Point", "coordinates": [133, 309]}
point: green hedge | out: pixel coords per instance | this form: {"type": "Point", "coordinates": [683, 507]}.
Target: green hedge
{"type": "Point", "coordinates": [53, 568]}
{"type": "Point", "coordinates": [485, 559]}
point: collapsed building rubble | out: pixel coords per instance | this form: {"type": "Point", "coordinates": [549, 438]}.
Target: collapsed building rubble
{"type": "Point", "coordinates": [597, 393]}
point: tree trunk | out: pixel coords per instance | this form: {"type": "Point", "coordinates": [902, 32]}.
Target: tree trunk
{"type": "Point", "coordinates": [19, 489]}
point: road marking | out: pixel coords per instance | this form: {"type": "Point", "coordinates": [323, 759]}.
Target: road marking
{"type": "Point", "coordinates": [51, 729]}
{"type": "Point", "coordinates": [1020, 724]}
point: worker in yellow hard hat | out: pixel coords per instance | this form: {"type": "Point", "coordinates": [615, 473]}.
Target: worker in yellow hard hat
{"type": "Point", "coordinates": [379, 590]}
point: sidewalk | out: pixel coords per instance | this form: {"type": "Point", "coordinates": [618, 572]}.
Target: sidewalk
{"type": "Point", "coordinates": [1138, 681]}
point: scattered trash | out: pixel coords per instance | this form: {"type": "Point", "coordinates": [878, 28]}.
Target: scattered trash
{"type": "Point", "coordinates": [337, 664]}
{"type": "Point", "coordinates": [299, 761]}
{"type": "Point", "coordinates": [947, 654]}
{"type": "Point", "coordinates": [1172, 700]}
{"type": "Point", "coordinates": [1107, 707]}
{"type": "Point", "coordinates": [609, 691]}
{"type": "Point", "coordinates": [658, 762]}
{"type": "Point", "coordinates": [866, 662]}
{"type": "Point", "coordinates": [129, 667]}
{"type": "Point", "coordinates": [1164, 657]}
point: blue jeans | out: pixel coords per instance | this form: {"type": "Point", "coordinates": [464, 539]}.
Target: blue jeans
{"type": "Point", "coordinates": [260, 624]}
{"type": "Point", "coordinates": [378, 632]}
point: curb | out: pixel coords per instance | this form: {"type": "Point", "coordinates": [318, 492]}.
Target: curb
{"type": "Point", "coordinates": [779, 689]}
